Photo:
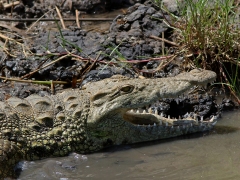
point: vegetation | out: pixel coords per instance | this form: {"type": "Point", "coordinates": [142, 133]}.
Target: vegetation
{"type": "Point", "coordinates": [208, 36]}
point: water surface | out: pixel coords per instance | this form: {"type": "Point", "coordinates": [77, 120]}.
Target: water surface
{"type": "Point", "coordinates": [214, 156]}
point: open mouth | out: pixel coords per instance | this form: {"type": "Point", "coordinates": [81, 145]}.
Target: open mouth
{"type": "Point", "coordinates": [152, 116]}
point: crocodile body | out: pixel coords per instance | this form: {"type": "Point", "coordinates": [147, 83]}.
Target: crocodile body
{"type": "Point", "coordinates": [104, 113]}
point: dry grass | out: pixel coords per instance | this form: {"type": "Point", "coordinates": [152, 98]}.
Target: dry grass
{"type": "Point", "coordinates": [208, 35]}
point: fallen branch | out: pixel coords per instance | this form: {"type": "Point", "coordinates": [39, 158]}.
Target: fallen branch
{"type": "Point", "coordinates": [52, 19]}
{"type": "Point", "coordinates": [33, 81]}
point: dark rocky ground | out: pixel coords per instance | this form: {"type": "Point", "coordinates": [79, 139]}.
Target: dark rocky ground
{"type": "Point", "coordinates": [127, 39]}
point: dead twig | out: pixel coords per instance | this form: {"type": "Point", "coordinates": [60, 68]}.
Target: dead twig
{"type": "Point", "coordinates": [58, 59]}
{"type": "Point", "coordinates": [60, 17]}
{"type": "Point", "coordinates": [165, 40]}
{"type": "Point", "coordinates": [52, 19]}
{"type": "Point", "coordinates": [6, 49]}
{"type": "Point", "coordinates": [10, 39]}
{"type": "Point", "coordinates": [52, 87]}
{"type": "Point", "coordinates": [163, 44]}
{"type": "Point", "coordinates": [12, 28]}
{"type": "Point", "coordinates": [6, 5]}
{"type": "Point", "coordinates": [79, 58]}
{"type": "Point", "coordinates": [77, 18]}
{"type": "Point", "coordinates": [89, 68]}
{"type": "Point", "coordinates": [34, 81]}
{"type": "Point", "coordinates": [39, 66]}
{"type": "Point", "coordinates": [160, 67]}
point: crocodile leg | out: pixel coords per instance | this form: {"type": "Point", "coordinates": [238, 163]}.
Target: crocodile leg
{"type": "Point", "coordinates": [10, 154]}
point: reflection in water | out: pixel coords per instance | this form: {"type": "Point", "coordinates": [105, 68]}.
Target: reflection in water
{"type": "Point", "coordinates": [225, 129]}
{"type": "Point", "coordinates": [214, 155]}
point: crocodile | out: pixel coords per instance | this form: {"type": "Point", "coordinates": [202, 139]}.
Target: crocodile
{"type": "Point", "coordinates": [109, 112]}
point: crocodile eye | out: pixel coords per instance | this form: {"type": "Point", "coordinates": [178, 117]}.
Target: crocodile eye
{"type": "Point", "coordinates": [127, 88]}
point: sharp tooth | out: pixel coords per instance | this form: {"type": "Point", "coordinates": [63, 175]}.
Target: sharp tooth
{"type": "Point", "coordinates": [191, 124]}
{"type": "Point", "coordinates": [179, 117]}
{"type": "Point", "coordinates": [172, 127]}
{"type": "Point", "coordinates": [154, 124]}
{"type": "Point", "coordinates": [144, 111]}
{"type": "Point", "coordinates": [161, 114]}
{"type": "Point", "coordinates": [166, 123]}
{"type": "Point", "coordinates": [137, 111]}
{"type": "Point", "coordinates": [160, 122]}
{"type": "Point", "coordinates": [156, 112]}
{"type": "Point", "coordinates": [149, 125]}
{"type": "Point", "coordinates": [150, 110]}
{"type": "Point", "coordinates": [211, 120]}
{"type": "Point", "coordinates": [169, 117]}
{"type": "Point", "coordinates": [201, 118]}
{"type": "Point", "coordinates": [132, 110]}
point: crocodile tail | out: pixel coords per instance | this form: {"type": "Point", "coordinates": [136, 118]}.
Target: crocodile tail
{"type": "Point", "coordinates": [10, 154]}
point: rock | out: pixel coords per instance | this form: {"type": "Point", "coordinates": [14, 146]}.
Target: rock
{"type": "Point", "coordinates": [136, 15]}
{"type": "Point", "coordinates": [135, 25]}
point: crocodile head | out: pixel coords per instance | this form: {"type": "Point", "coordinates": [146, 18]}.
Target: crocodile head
{"type": "Point", "coordinates": [119, 108]}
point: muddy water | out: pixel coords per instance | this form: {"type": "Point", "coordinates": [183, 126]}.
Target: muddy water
{"type": "Point", "coordinates": [214, 156]}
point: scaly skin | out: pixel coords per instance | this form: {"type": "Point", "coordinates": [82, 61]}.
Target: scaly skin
{"type": "Point", "coordinates": [101, 114]}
